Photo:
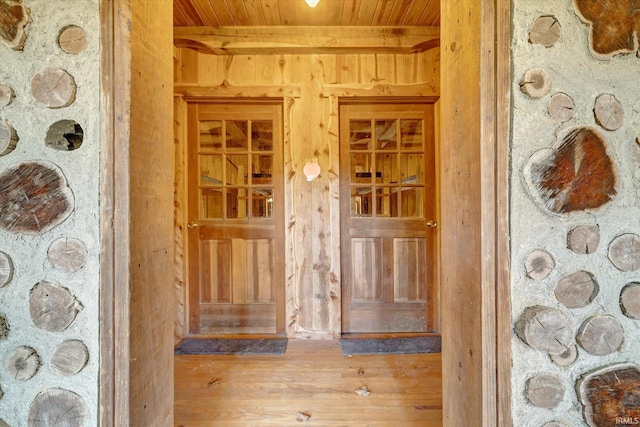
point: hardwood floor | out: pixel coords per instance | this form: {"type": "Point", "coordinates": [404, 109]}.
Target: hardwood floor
{"type": "Point", "coordinates": [313, 385]}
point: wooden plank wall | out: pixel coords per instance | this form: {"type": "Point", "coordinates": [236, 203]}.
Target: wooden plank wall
{"type": "Point", "coordinates": [151, 157]}
{"type": "Point", "coordinates": [312, 254]}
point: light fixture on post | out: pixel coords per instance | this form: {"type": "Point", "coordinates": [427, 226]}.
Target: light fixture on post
{"type": "Point", "coordinates": [312, 3]}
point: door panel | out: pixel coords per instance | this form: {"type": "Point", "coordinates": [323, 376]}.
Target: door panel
{"type": "Point", "coordinates": [388, 212]}
{"type": "Point", "coordinates": [236, 218]}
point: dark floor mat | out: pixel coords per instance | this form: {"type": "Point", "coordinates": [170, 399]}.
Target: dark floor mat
{"type": "Point", "coordinates": [231, 346]}
{"type": "Point", "coordinates": [429, 344]}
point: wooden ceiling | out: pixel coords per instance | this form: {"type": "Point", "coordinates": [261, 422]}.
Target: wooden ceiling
{"type": "Point", "coordinates": [222, 13]}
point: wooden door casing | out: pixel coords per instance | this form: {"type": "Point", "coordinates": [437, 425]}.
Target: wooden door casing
{"type": "Point", "coordinates": [387, 218]}
{"type": "Point", "coordinates": [236, 284]}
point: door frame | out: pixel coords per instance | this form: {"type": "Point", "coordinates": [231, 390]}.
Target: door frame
{"type": "Point", "coordinates": [477, 371]}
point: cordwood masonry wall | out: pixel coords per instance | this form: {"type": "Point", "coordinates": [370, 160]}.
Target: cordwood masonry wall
{"type": "Point", "coordinates": [575, 214]}
{"type": "Point", "coordinates": [49, 213]}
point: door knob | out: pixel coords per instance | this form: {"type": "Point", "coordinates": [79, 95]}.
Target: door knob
{"type": "Point", "coordinates": [192, 225]}
{"type": "Point", "coordinates": [432, 224]}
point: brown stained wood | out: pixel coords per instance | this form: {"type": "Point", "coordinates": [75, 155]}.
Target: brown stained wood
{"type": "Point", "coordinates": [624, 252]}
{"type": "Point", "coordinates": [608, 112]}
{"type": "Point", "coordinates": [536, 83]}
{"type": "Point", "coordinates": [584, 239]}
{"type": "Point", "coordinates": [22, 363]}
{"type": "Point", "coordinates": [630, 300]}
{"type": "Point", "coordinates": [576, 174]}
{"type": "Point", "coordinates": [8, 138]}
{"type": "Point", "coordinates": [56, 406]}
{"type": "Point", "coordinates": [601, 335]}
{"type": "Point", "coordinates": [545, 31]}
{"type": "Point", "coordinates": [614, 26]}
{"type": "Point", "coordinates": [610, 395]}
{"type": "Point", "coordinates": [52, 307]}
{"type": "Point", "coordinates": [72, 39]}
{"type": "Point", "coordinates": [69, 358]}
{"type": "Point", "coordinates": [4, 328]}
{"type": "Point", "coordinates": [545, 391]}
{"type": "Point", "coordinates": [306, 40]}
{"type": "Point", "coordinates": [576, 290]}
{"type": "Point", "coordinates": [14, 16]}
{"type": "Point", "coordinates": [567, 358]}
{"type": "Point", "coordinates": [546, 329]}
{"type": "Point", "coordinates": [53, 88]}
{"type": "Point", "coordinates": [561, 107]}
{"type": "Point", "coordinates": [6, 269]}
{"type": "Point", "coordinates": [34, 197]}
{"type": "Point", "coordinates": [67, 254]}
{"type": "Point", "coordinates": [539, 264]}
{"type": "Point", "coordinates": [312, 378]}
{"type": "Point", "coordinates": [6, 95]}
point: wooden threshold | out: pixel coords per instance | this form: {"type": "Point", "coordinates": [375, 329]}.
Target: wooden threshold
{"type": "Point", "coordinates": [365, 336]}
{"type": "Point", "coordinates": [236, 336]}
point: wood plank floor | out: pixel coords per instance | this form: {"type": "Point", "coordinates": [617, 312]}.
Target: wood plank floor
{"type": "Point", "coordinates": [313, 385]}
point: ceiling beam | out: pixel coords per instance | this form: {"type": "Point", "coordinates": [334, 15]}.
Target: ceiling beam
{"type": "Point", "coordinates": [306, 40]}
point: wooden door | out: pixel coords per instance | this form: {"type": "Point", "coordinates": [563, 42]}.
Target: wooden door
{"type": "Point", "coordinates": [388, 210]}
{"type": "Point", "coordinates": [235, 187]}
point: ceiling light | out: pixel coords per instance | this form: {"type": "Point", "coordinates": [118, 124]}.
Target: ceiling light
{"type": "Point", "coordinates": [312, 3]}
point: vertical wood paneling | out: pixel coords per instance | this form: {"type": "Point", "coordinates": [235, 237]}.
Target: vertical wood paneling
{"type": "Point", "coordinates": [189, 66]}
{"type": "Point", "coordinates": [208, 66]}
{"type": "Point", "coordinates": [222, 12]}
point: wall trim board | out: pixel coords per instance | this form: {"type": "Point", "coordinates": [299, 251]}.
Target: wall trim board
{"type": "Point", "coordinates": [200, 92]}
{"type": "Point", "coordinates": [114, 257]}
{"type": "Point", "coordinates": [353, 90]}
{"type": "Point", "coordinates": [278, 40]}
